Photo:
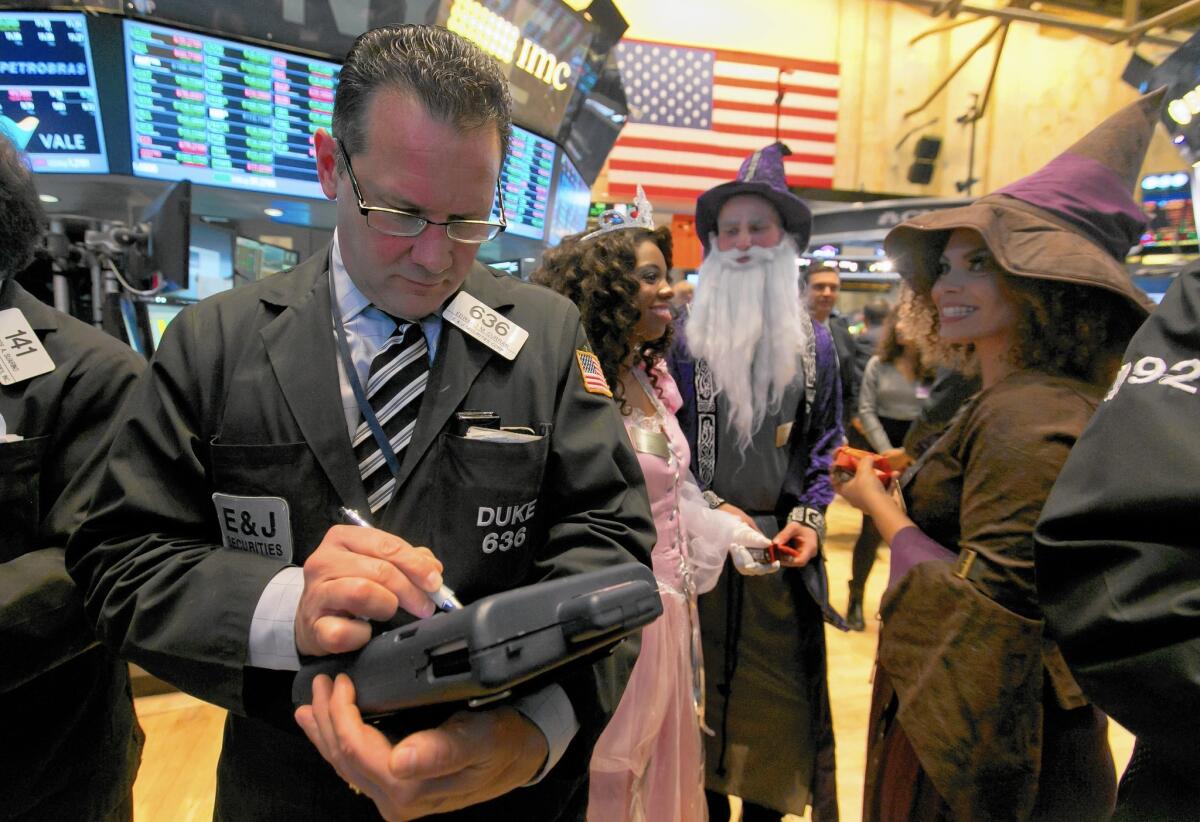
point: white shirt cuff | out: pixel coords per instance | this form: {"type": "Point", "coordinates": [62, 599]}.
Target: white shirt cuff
{"type": "Point", "coordinates": [273, 628]}
{"type": "Point", "coordinates": [551, 710]}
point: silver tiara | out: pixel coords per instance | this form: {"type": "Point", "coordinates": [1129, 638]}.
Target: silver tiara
{"type": "Point", "coordinates": [640, 216]}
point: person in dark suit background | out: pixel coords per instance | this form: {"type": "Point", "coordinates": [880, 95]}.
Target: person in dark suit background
{"type": "Point", "coordinates": [210, 554]}
{"type": "Point", "coordinates": [875, 314]}
{"type": "Point", "coordinates": [72, 742]}
{"type": "Point", "coordinates": [821, 283]}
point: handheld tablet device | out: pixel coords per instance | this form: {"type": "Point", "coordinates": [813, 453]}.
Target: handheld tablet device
{"type": "Point", "coordinates": [486, 649]}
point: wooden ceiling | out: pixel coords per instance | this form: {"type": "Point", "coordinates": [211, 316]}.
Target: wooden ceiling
{"type": "Point", "coordinates": [1143, 9]}
{"type": "Point", "coordinates": [1165, 22]}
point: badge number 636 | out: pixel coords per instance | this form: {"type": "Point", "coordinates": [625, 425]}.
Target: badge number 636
{"type": "Point", "coordinates": [489, 320]}
{"type": "Point", "coordinates": [503, 540]}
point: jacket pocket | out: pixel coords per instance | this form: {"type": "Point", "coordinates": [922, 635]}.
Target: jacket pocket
{"type": "Point", "coordinates": [20, 495]}
{"type": "Point", "coordinates": [287, 471]}
{"type": "Point", "coordinates": [486, 507]}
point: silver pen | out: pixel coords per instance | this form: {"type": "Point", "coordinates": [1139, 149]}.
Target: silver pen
{"type": "Point", "coordinates": [443, 597]}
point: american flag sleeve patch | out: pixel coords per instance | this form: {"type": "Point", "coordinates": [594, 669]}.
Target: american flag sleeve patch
{"type": "Point", "coordinates": [592, 373]}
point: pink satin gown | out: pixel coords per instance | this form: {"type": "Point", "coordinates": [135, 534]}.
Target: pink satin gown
{"type": "Point", "coordinates": [647, 764]}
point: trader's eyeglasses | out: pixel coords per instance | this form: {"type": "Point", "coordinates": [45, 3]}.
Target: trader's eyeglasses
{"type": "Point", "coordinates": [397, 223]}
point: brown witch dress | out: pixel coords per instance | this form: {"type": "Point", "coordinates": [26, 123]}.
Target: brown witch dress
{"type": "Point", "coordinates": [974, 715]}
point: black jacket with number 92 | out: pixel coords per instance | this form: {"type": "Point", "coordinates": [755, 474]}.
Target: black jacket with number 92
{"type": "Point", "coordinates": [1118, 550]}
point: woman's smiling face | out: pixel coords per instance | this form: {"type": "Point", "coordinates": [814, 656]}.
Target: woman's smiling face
{"type": "Point", "coordinates": [653, 300]}
{"type": "Point", "coordinates": [972, 302]}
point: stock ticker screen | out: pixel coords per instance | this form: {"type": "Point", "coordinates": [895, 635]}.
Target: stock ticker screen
{"type": "Point", "coordinates": [525, 179]}
{"type": "Point", "coordinates": [223, 113]}
{"type": "Point", "coordinates": [48, 102]}
{"type": "Point", "coordinates": [572, 199]}
{"type": "Point", "coordinates": [1170, 215]}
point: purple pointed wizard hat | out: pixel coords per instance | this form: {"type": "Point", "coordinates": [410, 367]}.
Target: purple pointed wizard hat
{"type": "Point", "coordinates": [1073, 220]}
{"type": "Point", "coordinates": [762, 173]}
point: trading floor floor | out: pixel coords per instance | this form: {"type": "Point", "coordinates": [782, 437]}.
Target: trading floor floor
{"type": "Point", "coordinates": [183, 735]}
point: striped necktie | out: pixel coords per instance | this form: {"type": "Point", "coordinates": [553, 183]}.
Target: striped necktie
{"type": "Point", "coordinates": [395, 383]}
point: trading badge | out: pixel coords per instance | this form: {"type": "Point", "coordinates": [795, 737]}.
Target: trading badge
{"type": "Point", "coordinates": [494, 330]}
{"type": "Point", "coordinates": [257, 525]}
{"type": "Point", "coordinates": [21, 354]}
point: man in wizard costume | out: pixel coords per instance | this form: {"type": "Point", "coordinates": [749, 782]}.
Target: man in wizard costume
{"type": "Point", "coordinates": [761, 410]}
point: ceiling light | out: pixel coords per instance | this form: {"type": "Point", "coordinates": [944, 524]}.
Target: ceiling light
{"type": "Point", "coordinates": [273, 212]}
{"type": "Point", "coordinates": [47, 198]}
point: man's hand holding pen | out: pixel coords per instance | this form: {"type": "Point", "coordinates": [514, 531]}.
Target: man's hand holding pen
{"type": "Point", "coordinates": [359, 573]}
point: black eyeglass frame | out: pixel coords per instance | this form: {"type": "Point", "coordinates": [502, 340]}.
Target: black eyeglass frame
{"type": "Point", "coordinates": [365, 210]}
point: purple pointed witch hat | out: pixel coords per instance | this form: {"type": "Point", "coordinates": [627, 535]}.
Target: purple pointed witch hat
{"type": "Point", "coordinates": [762, 173]}
{"type": "Point", "coordinates": [1073, 220]}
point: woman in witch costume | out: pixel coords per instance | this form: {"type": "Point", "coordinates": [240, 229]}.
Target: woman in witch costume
{"type": "Point", "coordinates": [974, 714]}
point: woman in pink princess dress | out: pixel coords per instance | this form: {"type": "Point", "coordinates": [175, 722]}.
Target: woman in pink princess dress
{"type": "Point", "coordinates": [647, 765]}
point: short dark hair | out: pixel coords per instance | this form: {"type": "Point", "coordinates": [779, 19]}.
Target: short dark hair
{"type": "Point", "coordinates": [876, 311]}
{"type": "Point", "coordinates": [597, 275]}
{"type": "Point", "coordinates": [21, 215]}
{"type": "Point", "coordinates": [455, 81]}
{"type": "Point", "coordinates": [820, 268]}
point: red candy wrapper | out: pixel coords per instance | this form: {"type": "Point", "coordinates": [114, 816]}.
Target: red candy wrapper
{"type": "Point", "coordinates": [845, 464]}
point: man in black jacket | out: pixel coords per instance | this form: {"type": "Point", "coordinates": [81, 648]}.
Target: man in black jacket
{"type": "Point", "coordinates": [1118, 558]}
{"type": "Point", "coordinates": [71, 742]}
{"type": "Point", "coordinates": [212, 553]}
{"type": "Point", "coordinates": [821, 284]}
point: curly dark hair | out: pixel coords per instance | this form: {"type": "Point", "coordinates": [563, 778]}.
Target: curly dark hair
{"type": "Point", "coordinates": [891, 349]}
{"type": "Point", "coordinates": [597, 275]}
{"type": "Point", "coordinates": [21, 215]}
{"type": "Point", "coordinates": [1062, 328]}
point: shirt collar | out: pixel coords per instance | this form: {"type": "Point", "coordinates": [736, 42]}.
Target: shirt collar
{"type": "Point", "coordinates": [350, 301]}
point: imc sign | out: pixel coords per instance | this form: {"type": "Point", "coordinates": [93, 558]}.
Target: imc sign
{"type": "Point", "coordinates": [503, 40]}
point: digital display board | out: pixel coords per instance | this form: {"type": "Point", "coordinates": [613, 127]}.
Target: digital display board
{"type": "Point", "coordinates": [327, 27]}
{"type": "Point", "coordinates": [525, 178]}
{"type": "Point", "coordinates": [550, 50]}
{"type": "Point", "coordinates": [48, 102]}
{"type": "Point", "coordinates": [276, 259]}
{"type": "Point", "coordinates": [572, 199]}
{"type": "Point", "coordinates": [1170, 218]}
{"type": "Point", "coordinates": [222, 113]}
{"type": "Point", "coordinates": [159, 314]}
{"type": "Point", "coordinates": [247, 259]}
{"type": "Point", "coordinates": [540, 45]}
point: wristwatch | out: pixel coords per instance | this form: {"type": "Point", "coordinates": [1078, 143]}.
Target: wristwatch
{"type": "Point", "coordinates": [712, 499]}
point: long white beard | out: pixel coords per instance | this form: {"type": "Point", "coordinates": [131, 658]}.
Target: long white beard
{"type": "Point", "coordinates": [747, 323]}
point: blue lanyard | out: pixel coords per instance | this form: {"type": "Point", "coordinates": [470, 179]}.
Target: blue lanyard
{"type": "Point", "coordinates": [360, 395]}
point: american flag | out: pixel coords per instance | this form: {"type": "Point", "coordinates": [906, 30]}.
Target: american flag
{"type": "Point", "coordinates": [592, 373]}
{"type": "Point", "coordinates": [696, 114]}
